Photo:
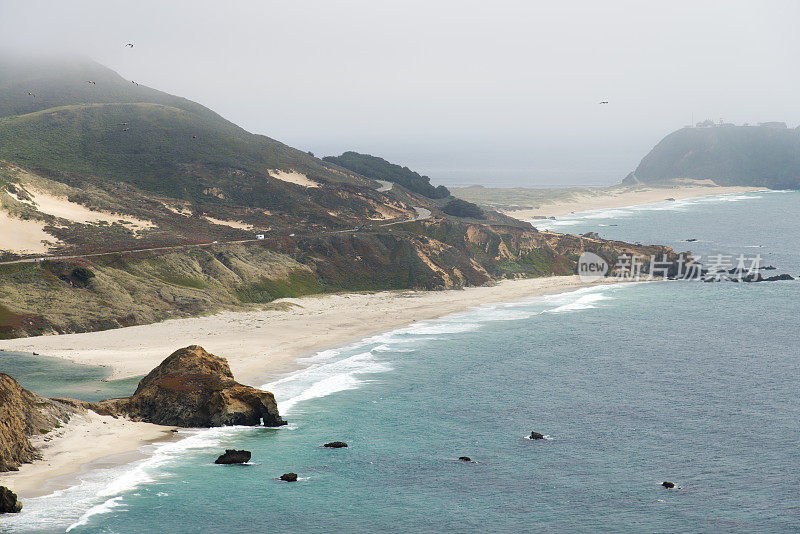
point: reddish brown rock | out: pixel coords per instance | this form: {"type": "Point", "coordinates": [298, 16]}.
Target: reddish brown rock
{"type": "Point", "coordinates": [193, 388]}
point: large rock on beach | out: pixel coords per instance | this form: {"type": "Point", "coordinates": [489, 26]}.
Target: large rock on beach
{"type": "Point", "coordinates": [193, 388]}
{"type": "Point", "coordinates": [8, 501]}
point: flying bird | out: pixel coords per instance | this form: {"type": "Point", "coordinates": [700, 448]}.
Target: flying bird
{"type": "Point", "coordinates": [194, 137]}
{"type": "Point", "coordinates": [125, 129]}
{"type": "Point", "coordinates": [137, 83]}
{"type": "Point", "coordinates": [122, 124]}
{"type": "Point", "coordinates": [129, 44]}
{"type": "Point", "coordinates": [31, 94]}
{"type": "Point", "coordinates": [91, 82]}
{"type": "Point", "coordinates": [604, 102]}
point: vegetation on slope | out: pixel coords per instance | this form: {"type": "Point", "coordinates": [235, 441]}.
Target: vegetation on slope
{"type": "Point", "coordinates": [380, 169]}
{"type": "Point", "coordinates": [461, 208]}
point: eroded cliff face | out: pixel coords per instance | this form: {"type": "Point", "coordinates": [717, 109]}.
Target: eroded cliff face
{"type": "Point", "coordinates": [22, 414]}
{"type": "Point", "coordinates": [98, 293]}
{"type": "Point", "coordinates": [193, 388]}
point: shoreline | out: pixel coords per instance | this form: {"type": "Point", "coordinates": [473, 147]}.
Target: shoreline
{"type": "Point", "coordinates": [65, 455]}
{"type": "Point", "coordinates": [622, 197]}
{"type": "Point", "coordinates": [260, 345]}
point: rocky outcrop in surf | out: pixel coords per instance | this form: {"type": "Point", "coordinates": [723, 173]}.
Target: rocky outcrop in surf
{"type": "Point", "coordinates": [193, 388]}
{"type": "Point", "coordinates": [8, 502]}
{"type": "Point", "coordinates": [232, 456]}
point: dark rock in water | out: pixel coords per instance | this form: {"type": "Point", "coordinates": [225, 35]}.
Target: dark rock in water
{"type": "Point", "coordinates": [769, 268]}
{"type": "Point", "coordinates": [193, 388]}
{"type": "Point", "coordinates": [289, 477]}
{"type": "Point", "coordinates": [232, 456]}
{"type": "Point", "coordinates": [668, 485]}
{"type": "Point", "coordinates": [335, 445]}
{"type": "Point", "coordinates": [8, 501]}
{"type": "Point", "coordinates": [778, 277]}
{"type": "Point", "coordinates": [465, 458]}
{"type": "Point", "coordinates": [536, 435]}
{"type": "Point", "coordinates": [692, 240]}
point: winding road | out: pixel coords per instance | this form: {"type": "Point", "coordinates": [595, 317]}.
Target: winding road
{"type": "Point", "coordinates": [422, 213]}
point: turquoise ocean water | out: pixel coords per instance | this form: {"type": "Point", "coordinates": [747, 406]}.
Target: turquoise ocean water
{"type": "Point", "coordinates": [632, 384]}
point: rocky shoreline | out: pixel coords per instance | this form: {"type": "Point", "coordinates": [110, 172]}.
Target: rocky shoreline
{"type": "Point", "coordinates": [191, 388]}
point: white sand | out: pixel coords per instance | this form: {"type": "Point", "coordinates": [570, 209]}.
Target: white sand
{"type": "Point", "coordinates": [86, 438]}
{"type": "Point", "coordinates": [62, 208]}
{"type": "Point", "coordinates": [23, 236]}
{"type": "Point", "coordinates": [620, 197]}
{"type": "Point", "coordinates": [294, 178]}
{"type": "Point", "coordinates": [232, 224]}
{"type": "Point", "coordinates": [261, 344]}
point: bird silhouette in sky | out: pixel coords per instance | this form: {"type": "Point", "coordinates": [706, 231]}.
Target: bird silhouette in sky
{"type": "Point", "coordinates": [122, 124]}
{"type": "Point", "coordinates": [31, 94]}
{"type": "Point", "coordinates": [91, 82]}
{"type": "Point", "coordinates": [137, 83]}
{"type": "Point", "coordinates": [604, 102]}
{"type": "Point", "coordinates": [129, 44]}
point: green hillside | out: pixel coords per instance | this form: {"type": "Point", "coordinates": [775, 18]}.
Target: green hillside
{"type": "Point", "coordinates": [115, 129]}
{"type": "Point", "coordinates": [158, 148]}
{"type": "Point", "coordinates": [63, 81]}
{"type": "Point", "coordinates": [767, 156]}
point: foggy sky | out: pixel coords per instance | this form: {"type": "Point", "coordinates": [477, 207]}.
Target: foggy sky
{"type": "Point", "coordinates": [494, 91]}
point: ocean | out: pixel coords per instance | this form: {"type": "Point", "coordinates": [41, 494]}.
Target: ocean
{"type": "Point", "coordinates": [632, 385]}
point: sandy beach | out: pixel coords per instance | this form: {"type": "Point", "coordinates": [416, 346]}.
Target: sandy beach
{"type": "Point", "coordinates": [261, 344]}
{"type": "Point", "coordinates": [86, 439]}
{"type": "Point", "coordinates": [620, 197]}
{"type": "Point", "coordinates": [258, 345]}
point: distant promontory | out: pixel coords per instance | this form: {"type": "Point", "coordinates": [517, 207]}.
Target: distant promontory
{"type": "Point", "coordinates": [764, 155]}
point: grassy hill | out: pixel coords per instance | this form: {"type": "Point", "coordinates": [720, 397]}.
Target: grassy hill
{"type": "Point", "coordinates": [158, 148]}
{"type": "Point", "coordinates": [765, 156]}
{"type": "Point", "coordinates": [115, 129]}
{"type": "Point", "coordinates": [63, 81]}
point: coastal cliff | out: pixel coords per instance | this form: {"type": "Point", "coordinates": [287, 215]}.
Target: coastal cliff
{"type": "Point", "coordinates": [23, 414]}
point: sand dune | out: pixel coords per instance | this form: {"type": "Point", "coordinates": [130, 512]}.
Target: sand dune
{"type": "Point", "coordinates": [232, 224]}
{"type": "Point", "coordinates": [294, 178]}
{"type": "Point", "coordinates": [23, 236]}
{"type": "Point", "coordinates": [63, 208]}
